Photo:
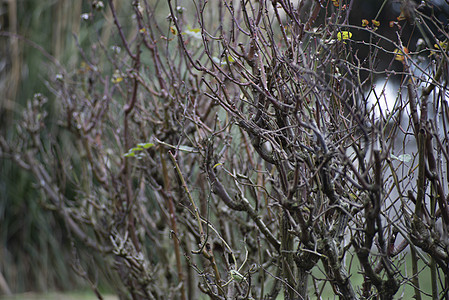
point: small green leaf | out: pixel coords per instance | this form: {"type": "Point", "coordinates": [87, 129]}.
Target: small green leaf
{"type": "Point", "coordinates": [195, 33]}
{"type": "Point", "coordinates": [145, 145]}
{"type": "Point", "coordinates": [231, 59]}
{"type": "Point", "coordinates": [130, 154]}
{"type": "Point", "coordinates": [402, 157]}
{"type": "Point", "coordinates": [236, 275]}
{"type": "Point", "coordinates": [186, 149]}
{"type": "Point", "coordinates": [353, 196]}
{"type": "Point", "coordinates": [181, 148]}
{"type": "Point", "coordinates": [139, 147]}
{"type": "Point", "coordinates": [344, 35]}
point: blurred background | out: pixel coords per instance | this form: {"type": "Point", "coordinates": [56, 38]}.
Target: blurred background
{"type": "Point", "coordinates": [35, 252]}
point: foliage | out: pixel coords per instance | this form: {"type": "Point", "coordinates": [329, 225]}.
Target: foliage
{"type": "Point", "coordinates": [234, 149]}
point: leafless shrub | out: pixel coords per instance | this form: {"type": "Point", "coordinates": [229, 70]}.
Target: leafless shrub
{"type": "Point", "coordinates": [233, 151]}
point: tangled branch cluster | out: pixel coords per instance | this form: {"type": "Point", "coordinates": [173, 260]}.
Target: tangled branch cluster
{"type": "Point", "coordinates": [232, 150]}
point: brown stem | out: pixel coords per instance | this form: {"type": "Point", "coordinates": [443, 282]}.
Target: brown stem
{"type": "Point", "coordinates": [120, 31]}
{"type": "Point", "coordinates": [171, 210]}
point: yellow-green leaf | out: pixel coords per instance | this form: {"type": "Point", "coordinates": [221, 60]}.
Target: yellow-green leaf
{"type": "Point", "coordinates": [145, 145]}
{"type": "Point", "coordinates": [344, 35]}
{"type": "Point", "coordinates": [195, 33]}
{"type": "Point", "coordinates": [129, 154]}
